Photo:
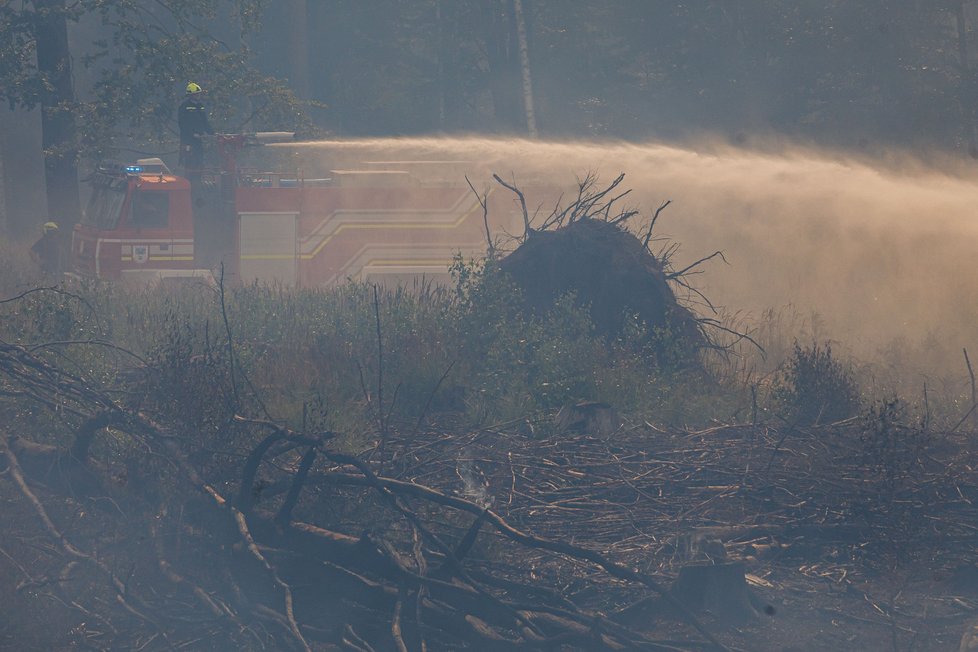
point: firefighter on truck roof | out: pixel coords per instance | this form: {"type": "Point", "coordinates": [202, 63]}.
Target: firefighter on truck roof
{"type": "Point", "coordinates": [193, 122]}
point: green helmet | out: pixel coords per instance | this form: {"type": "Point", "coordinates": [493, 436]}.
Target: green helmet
{"type": "Point", "coordinates": [193, 88]}
{"type": "Point", "coordinates": [50, 226]}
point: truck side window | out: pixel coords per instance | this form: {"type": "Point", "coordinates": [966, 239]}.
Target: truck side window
{"type": "Point", "coordinates": [151, 210]}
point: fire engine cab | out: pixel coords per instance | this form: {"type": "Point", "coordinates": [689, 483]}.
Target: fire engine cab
{"type": "Point", "coordinates": [144, 222]}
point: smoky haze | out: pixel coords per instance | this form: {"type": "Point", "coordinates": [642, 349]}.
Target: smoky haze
{"type": "Point", "coordinates": [879, 250]}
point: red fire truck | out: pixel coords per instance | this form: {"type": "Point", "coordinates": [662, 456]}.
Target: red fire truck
{"type": "Point", "coordinates": [380, 222]}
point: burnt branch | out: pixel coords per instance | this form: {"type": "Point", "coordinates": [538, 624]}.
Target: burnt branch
{"type": "Point", "coordinates": [527, 230]}
{"type": "Point", "coordinates": [655, 218]}
{"type": "Point", "coordinates": [483, 200]}
{"type": "Point", "coordinates": [86, 432]}
{"type": "Point", "coordinates": [686, 270]}
{"type": "Point", "coordinates": [284, 515]}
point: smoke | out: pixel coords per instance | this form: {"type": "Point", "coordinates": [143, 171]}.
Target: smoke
{"type": "Point", "coordinates": [475, 485]}
{"type": "Point", "coordinates": [881, 250]}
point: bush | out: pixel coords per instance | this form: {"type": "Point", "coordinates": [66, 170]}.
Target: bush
{"type": "Point", "coordinates": [813, 387]}
{"type": "Point", "coordinates": [893, 450]}
{"type": "Point", "coordinates": [516, 362]}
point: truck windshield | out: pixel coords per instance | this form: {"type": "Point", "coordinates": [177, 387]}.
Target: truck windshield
{"type": "Point", "coordinates": [105, 205]}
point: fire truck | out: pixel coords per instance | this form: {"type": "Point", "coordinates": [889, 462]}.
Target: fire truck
{"type": "Point", "coordinates": [380, 222]}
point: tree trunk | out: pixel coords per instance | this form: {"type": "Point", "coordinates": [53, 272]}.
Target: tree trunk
{"type": "Point", "coordinates": [442, 59]}
{"type": "Point", "coordinates": [967, 82]}
{"type": "Point", "coordinates": [531, 120]}
{"type": "Point", "coordinates": [502, 71]}
{"type": "Point", "coordinates": [451, 99]}
{"type": "Point", "coordinates": [4, 207]}
{"type": "Point", "coordinates": [58, 135]}
{"type": "Point", "coordinates": [299, 47]}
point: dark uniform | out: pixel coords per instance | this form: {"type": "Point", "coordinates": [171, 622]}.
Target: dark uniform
{"type": "Point", "coordinates": [46, 252]}
{"type": "Point", "coordinates": [192, 118]}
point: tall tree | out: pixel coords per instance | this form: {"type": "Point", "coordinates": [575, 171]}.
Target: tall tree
{"type": "Point", "coordinates": [502, 62]}
{"type": "Point", "coordinates": [299, 47]}
{"type": "Point", "coordinates": [154, 48]}
{"type": "Point", "coordinates": [58, 134]}
{"type": "Point", "coordinates": [525, 76]}
{"type": "Point", "coordinates": [4, 216]}
{"type": "Point", "coordinates": [149, 50]}
{"type": "Point", "coordinates": [36, 68]}
{"type": "Point", "coordinates": [967, 95]}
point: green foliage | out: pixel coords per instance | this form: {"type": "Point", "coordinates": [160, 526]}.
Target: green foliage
{"type": "Point", "coordinates": [144, 55]}
{"type": "Point", "coordinates": [187, 378]}
{"type": "Point", "coordinates": [516, 364]}
{"type": "Point", "coordinates": [349, 359]}
{"type": "Point", "coordinates": [840, 72]}
{"type": "Point", "coordinates": [814, 387]}
{"type": "Point", "coordinates": [137, 93]}
{"type": "Point", "coordinates": [831, 71]}
{"type": "Point", "coordinates": [20, 84]}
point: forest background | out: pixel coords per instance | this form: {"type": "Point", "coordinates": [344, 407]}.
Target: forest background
{"type": "Point", "coordinates": [865, 76]}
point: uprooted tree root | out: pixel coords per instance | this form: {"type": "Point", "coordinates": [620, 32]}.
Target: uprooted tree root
{"type": "Point", "coordinates": [584, 248]}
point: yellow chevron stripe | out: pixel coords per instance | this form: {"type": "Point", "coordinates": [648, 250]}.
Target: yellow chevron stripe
{"type": "Point", "coordinates": [388, 225]}
{"type": "Point", "coordinates": [409, 262]}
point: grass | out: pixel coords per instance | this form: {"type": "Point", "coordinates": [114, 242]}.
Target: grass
{"type": "Point", "coordinates": [468, 350]}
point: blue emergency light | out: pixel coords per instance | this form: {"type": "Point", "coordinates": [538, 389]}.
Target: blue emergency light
{"type": "Point", "coordinates": [134, 169]}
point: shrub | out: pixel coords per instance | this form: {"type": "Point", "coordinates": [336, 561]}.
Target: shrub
{"type": "Point", "coordinates": [893, 449]}
{"type": "Point", "coordinates": [814, 387]}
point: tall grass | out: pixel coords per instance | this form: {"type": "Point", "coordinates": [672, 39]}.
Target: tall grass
{"type": "Point", "coordinates": [304, 355]}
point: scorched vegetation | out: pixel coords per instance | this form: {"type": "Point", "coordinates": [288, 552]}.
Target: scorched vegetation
{"type": "Point", "coordinates": [484, 466]}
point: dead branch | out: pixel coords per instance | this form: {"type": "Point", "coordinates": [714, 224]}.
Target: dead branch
{"type": "Point", "coordinates": [739, 336]}
{"type": "Point", "coordinates": [375, 482]}
{"type": "Point", "coordinates": [286, 589]}
{"type": "Point", "coordinates": [655, 217]}
{"type": "Point", "coordinates": [246, 491]}
{"type": "Point", "coordinates": [86, 433]}
{"type": "Point", "coordinates": [285, 511]}
{"type": "Point", "coordinates": [971, 375]}
{"type": "Point", "coordinates": [527, 231]}
{"type": "Point", "coordinates": [227, 331]}
{"type": "Point", "coordinates": [483, 200]}
{"type": "Point", "coordinates": [685, 270]}
{"type": "Point", "coordinates": [456, 600]}
{"type": "Point", "coordinates": [117, 584]}
{"type": "Point", "coordinates": [616, 570]}
{"type": "Point", "coordinates": [396, 622]}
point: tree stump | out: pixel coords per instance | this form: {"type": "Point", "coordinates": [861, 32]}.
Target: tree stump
{"type": "Point", "coordinates": [588, 418]}
{"type": "Point", "coordinates": [717, 588]}
{"type": "Point", "coordinates": [969, 641]}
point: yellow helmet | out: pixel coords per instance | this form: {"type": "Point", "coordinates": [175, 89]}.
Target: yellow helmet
{"type": "Point", "coordinates": [193, 88]}
{"type": "Point", "coordinates": [50, 226]}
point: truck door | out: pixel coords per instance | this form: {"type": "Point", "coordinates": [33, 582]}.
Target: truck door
{"type": "Point", "coordinates": [268, 248]}
{"type": "Point", "coordinates": [151, 246]}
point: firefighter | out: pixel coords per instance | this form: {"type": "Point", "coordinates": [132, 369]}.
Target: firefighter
{"type": "Point", "coordinates": [193, 122]}
{"type": "Point", "coordinates": [46, 252]}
